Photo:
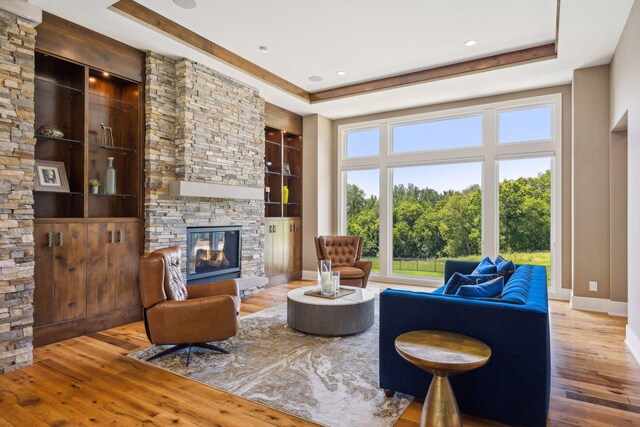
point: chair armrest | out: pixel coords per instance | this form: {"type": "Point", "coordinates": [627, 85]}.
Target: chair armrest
{"type": "Point", "coordinates": [223, 287]}
{"type": "Point", "coordinates": [192, 321]}
{"type": "Point", "coordinates": [366, 267]}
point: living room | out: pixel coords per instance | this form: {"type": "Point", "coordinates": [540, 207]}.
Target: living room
{"type": "Point", "coordinates": [159, 155]}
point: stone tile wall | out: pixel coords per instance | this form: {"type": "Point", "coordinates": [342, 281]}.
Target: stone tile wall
{"type": "Point", "coordinates": [17, 44]}
{"type": "Point", "coordinates": [202, 126]}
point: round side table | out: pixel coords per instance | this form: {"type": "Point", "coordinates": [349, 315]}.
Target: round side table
{"type": "Point", "coordinates": [442, 354]}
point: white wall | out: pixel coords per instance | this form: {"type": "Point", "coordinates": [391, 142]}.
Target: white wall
{"type": "Point", "coordinates": [625, 99]}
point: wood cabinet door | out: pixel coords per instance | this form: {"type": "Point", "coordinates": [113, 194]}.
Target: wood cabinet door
{"type": "Point", "coordinates": [279, 247]}
{"type": "Point", "coordinates": [128, 245]}
{"type": "Point", "coordinates": [43, 295]}
{"type": "Point", "coordinates": [268, 247]}
{"type": "Point", "coordinates": [69, 271]}
{"type": "Point", "coordinates": [101, 284]}
{"type": "Point", "coordinates": [295, 244]}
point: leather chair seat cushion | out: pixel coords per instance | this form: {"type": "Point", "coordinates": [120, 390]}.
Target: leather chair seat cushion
{"type": "Point", "coordinates": [349, 272]}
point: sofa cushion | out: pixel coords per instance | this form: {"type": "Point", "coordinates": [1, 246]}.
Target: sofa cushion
{"type": "Point", "coordinates": [489, 289]}
{"type": "Point", "coordinates": [349, 272]}
{"type": "Point", "coordinates": [457, 280]}
{"type": "Point", "coordinates": [486, 266]}
{"type": "Point", "coordinates": [516, 290]}
{"type": "Point", "coordinates": [504, 268]}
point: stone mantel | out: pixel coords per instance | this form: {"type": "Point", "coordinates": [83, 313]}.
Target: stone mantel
{"type": "Point", "coordinates": [214, 191]}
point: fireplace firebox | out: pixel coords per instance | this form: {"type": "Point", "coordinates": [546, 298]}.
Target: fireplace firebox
{"type": "Point", "coordinates": [213, 253]}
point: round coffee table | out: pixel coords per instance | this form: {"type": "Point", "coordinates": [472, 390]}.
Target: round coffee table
{"type": "Point", "coordinates": [442, 354]}
{"type": "Point", "coordinates": [348, 315]}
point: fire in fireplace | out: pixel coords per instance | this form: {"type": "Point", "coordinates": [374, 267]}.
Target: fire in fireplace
{"type": "Point", "coordinates": [213, 253]}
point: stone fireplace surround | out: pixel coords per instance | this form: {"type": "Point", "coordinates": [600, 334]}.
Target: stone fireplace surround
{"type": "Point", "coordinates": [203, 131]}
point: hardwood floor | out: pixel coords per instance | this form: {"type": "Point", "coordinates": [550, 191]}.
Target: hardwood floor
{"type": "Point", "coordinates": [89, 380]}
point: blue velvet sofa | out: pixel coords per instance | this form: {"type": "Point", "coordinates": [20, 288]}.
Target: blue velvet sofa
{"type": "Point", "coordinates": [514, 386]}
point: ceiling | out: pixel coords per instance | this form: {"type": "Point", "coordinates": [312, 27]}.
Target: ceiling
{"type": "Point", "coordinates": [371, 39]}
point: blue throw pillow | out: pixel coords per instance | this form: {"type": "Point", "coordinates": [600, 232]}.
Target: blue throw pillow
{"type": "Point", "coordinates": [456, 280]}
{"type": "Point", "coordinates": [486, 266]}
{"type": "Point", "coordinates": [490, 289]}
{"type": "Point", "coordinates": [504, 268]}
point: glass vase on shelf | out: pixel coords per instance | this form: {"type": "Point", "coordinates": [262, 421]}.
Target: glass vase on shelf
{"type": "Point", "coordinates": [110, 177]}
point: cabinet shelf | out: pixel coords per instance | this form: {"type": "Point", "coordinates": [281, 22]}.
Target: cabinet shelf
{"type": "Point", "coordinates": [292, 176]}
{"type": "Point", "coordinates": [53, 85]}
{"type": "Point", "coordinates": [109, 102]}
{"type": "Point", "coordinates": [65, 193]}
{"type": "Point", "coordinates": [272, 173]}
{"type": "Point", "coordinates": [272, 142]}
{"type": "Point", "coordinates": [289, 147]}
{"type": "Point", "coordinates": [59, 140]}
{"type": "Point", "coordinates": [114, 195]}
{"type": "Point", "coordinates": [123, 150]}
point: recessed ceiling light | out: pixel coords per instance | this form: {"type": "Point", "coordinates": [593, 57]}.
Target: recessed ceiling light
{"type": "Point", "coordinates": [470, 43]}
{"type": "Point", "coordinates": [341, 73]}
{"type": "Point", "coordinates": [264, 49]}
{"type": "Point", "coordinates": [315, 78]}
{"type": "Point", "coordinates": [186, 4]}
{"type": "Point", "coordinates": [104, 73]}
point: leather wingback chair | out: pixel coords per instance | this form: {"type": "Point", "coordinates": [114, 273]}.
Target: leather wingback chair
{"type": "Point", "coordinates": [344, 253]}
{"type": "Point", "coordinates": [185, 316]}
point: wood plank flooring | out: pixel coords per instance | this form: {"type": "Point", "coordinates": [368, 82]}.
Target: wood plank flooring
{"type": "Point", "coordinates": [90, 381]}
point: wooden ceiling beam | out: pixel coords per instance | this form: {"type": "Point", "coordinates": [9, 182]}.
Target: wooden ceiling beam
{"type": "Point", "coordinates": [518, 57]}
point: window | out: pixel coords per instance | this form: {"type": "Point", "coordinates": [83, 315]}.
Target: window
{"type": "Point", "coordinates": [437, 212]}
{"type": "Point", "coordinates": [363, 211]}
{"type": "Point", "coordinates": [525, 211]}
{"type": "Point", "coordinates": [527, 124]}
{"type": "Point", "coordinates": [362, 143]}
{"type": "Point", "coordinates": [438, 134]}
{"type": "Point", "coordinates": [463, 184]}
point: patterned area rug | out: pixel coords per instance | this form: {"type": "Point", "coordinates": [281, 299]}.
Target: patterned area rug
{"type": "Point", "coordinates": [331, 381]}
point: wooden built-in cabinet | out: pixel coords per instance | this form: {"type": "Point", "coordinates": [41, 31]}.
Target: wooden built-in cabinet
{"type": "Point", "coordinates": [283, 254]}
{"type": "Point", "coordinates": [283, 234]}
{"type": "Point", "coordinates": [87, 245]}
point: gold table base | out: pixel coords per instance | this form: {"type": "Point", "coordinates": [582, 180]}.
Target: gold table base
{"type": "Point", "coordinates": [440, 407]}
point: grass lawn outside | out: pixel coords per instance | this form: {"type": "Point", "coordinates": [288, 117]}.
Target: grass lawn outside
{"type": "Point", "coordinates": [435, 267]}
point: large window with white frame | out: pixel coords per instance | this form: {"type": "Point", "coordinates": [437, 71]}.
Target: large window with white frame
{"type": "Point", "coordinates": [465, 183]}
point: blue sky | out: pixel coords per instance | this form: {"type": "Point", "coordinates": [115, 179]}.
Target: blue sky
{"type": "Point", "coordinates": [515, 126]}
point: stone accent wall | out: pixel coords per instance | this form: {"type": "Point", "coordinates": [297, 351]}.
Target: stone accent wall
{"type": "Point", "coordinates": [17, 43]}
{"type": "Point", "coordinates": [202, 126]}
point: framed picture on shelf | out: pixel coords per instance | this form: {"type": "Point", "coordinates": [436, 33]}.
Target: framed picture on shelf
{"type": "Point", "coordinates": [286, 170]}
{"type": "Point", "coordinates": [51, 176]}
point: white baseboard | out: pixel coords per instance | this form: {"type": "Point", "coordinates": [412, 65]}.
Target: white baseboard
{"type": "Point", "coordinates": [602, 305]}
{"type": "Point", "coordinates": [618, 308]}
{"type": "Point", "coordinates": [633, 343]}
{"type": "Point", "coordinates": [309, 275]}
{"type": "Point", "coordinates": [562, 294]}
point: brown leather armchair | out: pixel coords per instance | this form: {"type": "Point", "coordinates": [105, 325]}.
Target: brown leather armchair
{"type": "Point", "coordinates": [344, 253]}
{"type": "Point", "coordinates": [175, 314]}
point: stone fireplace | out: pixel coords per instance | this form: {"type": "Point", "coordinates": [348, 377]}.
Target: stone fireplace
{"type": "Point", "coordinates": [204, 158]}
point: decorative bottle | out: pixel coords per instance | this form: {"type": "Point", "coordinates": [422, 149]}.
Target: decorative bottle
{"type": "Point", "coordinates": [285, 194]}
{"type": "Point", "coordinates": [110, 177]}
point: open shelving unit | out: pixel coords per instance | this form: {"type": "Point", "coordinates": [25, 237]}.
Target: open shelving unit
{"type": "Point", "coordinates": [77, 99]}
{"type": "Point", "coordinates": [282, 148]}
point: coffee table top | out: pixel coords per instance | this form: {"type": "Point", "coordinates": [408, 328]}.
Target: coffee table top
{"type": "Point", "coordinates": [358, 297]}
{"type": "Point", "coordinates": [442, 351]}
